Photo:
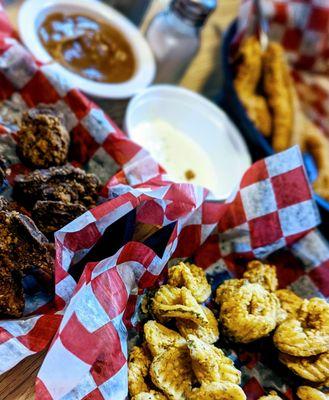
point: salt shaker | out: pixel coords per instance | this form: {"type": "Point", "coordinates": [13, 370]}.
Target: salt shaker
{"type": "Point", "coordinates": [174, 36]}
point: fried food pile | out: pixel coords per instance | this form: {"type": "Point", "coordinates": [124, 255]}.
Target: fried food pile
{"type": "Point", "coordinates": [181, 361]}
{"type": "Point", "coordinates": [45, 201]}
{"type": "Point", "coordinates": [303, 339]}
{"type": "Point", "coordinates": [249, 307]}
{"type": "Point", "coordinates": [24, 250]}
{"type": "Point", "coordinates": [56, 196]}
{"type": "Point", "coordinates": [266, 90]}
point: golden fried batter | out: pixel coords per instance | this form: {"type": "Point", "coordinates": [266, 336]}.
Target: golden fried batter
{"type": "Point", "coordinates": [308, 335]}
{"type": "Point", "coordinates": [172, 302]}
{"type": "Point", "coordinates": [313, 369]}
{"type": "Point", "coordinates": [138, 367]}
{"type": "Point", "coordinates": [208, 333]}
{"type": "Point", "coordinates": [159, 338]}
{"type": "Point", "coordinates": [289, 301]}
{"type": "Point", "coordinates": [172, 373]}
{"type": "Point", "coordinates": [309, 393]}
{"type": "Point", "coordinates": [210, 364]}
{"type": "Point", "coordinates": [218, 391]}
{"type": "Point", "coordinates": [249, 313]}
{"type": "Point", "coordinates": [191, 277]}
{"type": "Point", "coordinates": [152, 395]}
{"type": "Point", "coordinates": [248, 74]}
{"type": "Point", "coordinates": [278, 89]}
{"type": "Point", "coordinates": [264, 274]}
{"type": "Point", "coordinates": [271, 396]}
{"type": "Point", "coordinates": [227, 288]}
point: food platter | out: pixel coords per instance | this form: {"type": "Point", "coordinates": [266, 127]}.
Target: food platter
{"type": "Point", "coordinates": [133, 261]}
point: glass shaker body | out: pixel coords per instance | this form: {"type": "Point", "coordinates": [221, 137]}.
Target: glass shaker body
{"type": "Point", "coordinates": [174, 43]}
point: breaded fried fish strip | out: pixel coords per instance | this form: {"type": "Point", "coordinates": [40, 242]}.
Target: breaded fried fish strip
{"type": "Point", "coordinates": [138, 367]}
{"type": "Point", "coordinates": [309, 393]}
{"type": "Point", "coordinates": [278, 89]}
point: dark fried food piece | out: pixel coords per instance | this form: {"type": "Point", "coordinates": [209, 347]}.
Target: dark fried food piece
{"type": "Point", "coordinates": [67, 184]}
{"type": "Point", "coordinates": [26, 248]}
{"type": "Point", "coordinates": [11, 291]}
{"type": "Point", "coordinates": [50, 216]}
{"type": "Point", "coordinates": [43, 140]}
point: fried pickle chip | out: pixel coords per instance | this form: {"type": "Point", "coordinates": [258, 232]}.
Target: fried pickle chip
{"type": "Point", "coordinates": [159, 338]}
{"type": "Point", "coordinates": [313, 369]}
{"type": "Point", "coordinates": [308, 335]}
{"type": "Point", "coordinates": [210, 363]}
{"type": "Point", "coordinates": [225, 290]}
{"type": "Point", "coordinates": [309, 393]}
{"type": "Point", "coordinates": [249, 313]}
{"type": "Point", "coordinates": [271, 396]}
{"type": "Point", "coordinates": [138, 367]}
{"type": "Point", "coordinates": [172, 373]}
{"type": "Point", "coordinates": [152, 395]}
{"type": "Point", "coordinates": [172, 302]}
{"type": "Point", "coordinates": [264, 274]}
{"type": "Point", "coordinates": [191, 277]}
{"type": "Point", "coordinates": [208, 333]}
{"type": "Point", "coordinates": [218, 391]}
{"type": "Point", "coordinates": [289, 301]}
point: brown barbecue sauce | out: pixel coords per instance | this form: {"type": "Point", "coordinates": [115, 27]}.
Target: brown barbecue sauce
{"type": "Point", "coordinates": [90, 48]}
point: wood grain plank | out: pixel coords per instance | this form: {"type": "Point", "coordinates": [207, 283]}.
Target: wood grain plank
{"type": "Point", "coordinates": [203, 76]}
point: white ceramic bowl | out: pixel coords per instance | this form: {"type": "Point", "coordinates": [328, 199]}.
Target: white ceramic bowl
{"type": "Point", "coordinates": [202, 121]}
{"type": "Point", "coordinates": [32, 14]}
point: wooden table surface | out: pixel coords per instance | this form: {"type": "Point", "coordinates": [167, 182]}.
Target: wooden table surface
{"type": "Point", "coordinates": [203, 76]}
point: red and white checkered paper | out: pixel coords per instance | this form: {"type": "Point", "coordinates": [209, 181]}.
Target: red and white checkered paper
{"type": "Point", "coordinates": [89, 320]}
{"type": "Point", "coordinates": [302, 27]}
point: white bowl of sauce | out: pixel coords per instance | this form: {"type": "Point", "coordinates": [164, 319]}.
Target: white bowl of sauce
{"type": "Point", "coordinates": [92, 45]}
{"type": "Point", "coordinates": [190, 137]}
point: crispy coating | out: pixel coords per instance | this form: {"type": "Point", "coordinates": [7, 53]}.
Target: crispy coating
{"type": "Point", "coordinates": [308, 335]}
{"type": "Point", "coordinates": [278, 89]}
{"type": "Point", "coordinates": [248, 74]}
{"type": "Point", "coordinates": [191, 277]}
{"type": "Point", "coordinates": [43, 140]}
{"type": "Point", "coordinates": [264, 274]}
{"type": "Point", "coordinates": [152, 395]}
{"type": "Point", "coordinates": [138, 368]}
{"type": "Point", "coordinates": [11, 290]}
{"type": "Point", "coordinates": [309, 393]}
{"type": "Point", "coordinates": [208, 333]}
{"type": "Point", "coordinates": [249, 313]}
{"type": "Point", "coordinates": [172, 373]}
{"type": "Point", "coordinates": [271, 396]}
{"type": "Point", "coordinates": [210, 363]}
{"type": "Point", "coordinates": [218, 391]}
{"type": "Point", "coordinates": [172, 302]}
{"type": "Point", "coordinates": [289, 301]}
{"type": "Point", "coordinates": [313, 369]}
{"type": "Point", "coordinates": [159, 338]}
{"type": "Point", "coordinates": [227, 288]}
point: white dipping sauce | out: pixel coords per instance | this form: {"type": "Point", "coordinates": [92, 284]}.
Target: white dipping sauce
{"type": "Point", "coordinates": [183, 159]}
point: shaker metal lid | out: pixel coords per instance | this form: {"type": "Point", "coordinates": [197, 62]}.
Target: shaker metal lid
{"type": "Point", "coordinates": [194, 11]}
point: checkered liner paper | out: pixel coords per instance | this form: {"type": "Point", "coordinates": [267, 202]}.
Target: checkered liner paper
{"type": "Point", "coordinates": [302, 27]}
{"type": "Point", "coordinates": [101, 269]}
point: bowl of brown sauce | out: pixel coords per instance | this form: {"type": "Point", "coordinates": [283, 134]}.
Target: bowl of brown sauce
{"type": "Point", "coordinates": [91, 45]}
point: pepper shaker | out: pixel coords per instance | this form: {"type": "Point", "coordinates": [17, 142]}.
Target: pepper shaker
{"type": "Point", "coordinates": [174, 36]}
